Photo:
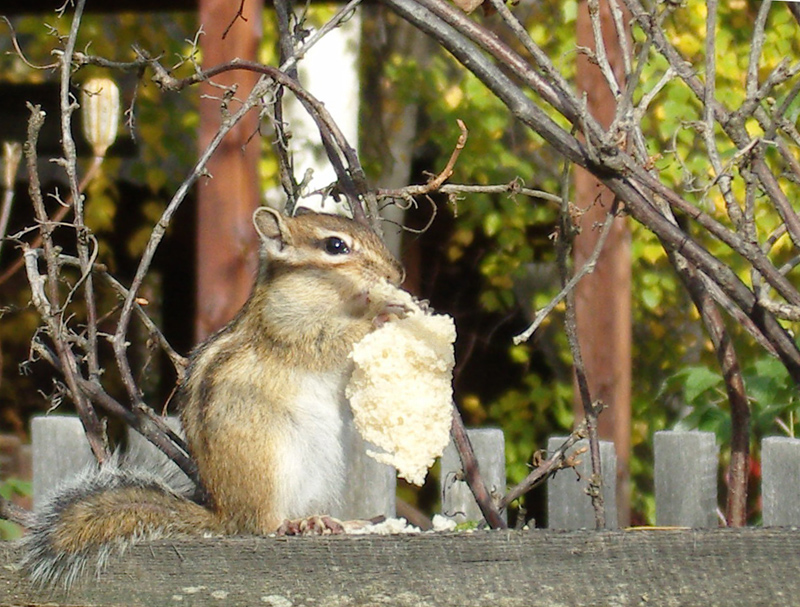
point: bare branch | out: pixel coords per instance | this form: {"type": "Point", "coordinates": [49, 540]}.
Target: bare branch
{"type": "Point", "coordinates": [239, 15]}
{"type": "Point", "coordinates": [49, 305]}
{"type": "Point", "coordinates": [513, 188]}
{"type": "Point", "coordinates": [708, 129]}
{"type": "Point", "coordinates": [435, 184]}
{"type": "Point", "coordinates": [18, 49]}
{"type": "Point", "coordinates": [68, 106]}
{"type": "Point", "coordinates": [545, 469]}
{"type": "Point", "coordinates": [472, 475]}
{"type": "Point", "coordinates": [283, 13]}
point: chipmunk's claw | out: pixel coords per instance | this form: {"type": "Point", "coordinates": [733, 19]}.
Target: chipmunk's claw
{"type": "Point", "coordinates": [312, 525]}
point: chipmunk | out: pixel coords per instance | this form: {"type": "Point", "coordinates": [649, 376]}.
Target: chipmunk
{"type": "Point", "coordinates": [262, 406]}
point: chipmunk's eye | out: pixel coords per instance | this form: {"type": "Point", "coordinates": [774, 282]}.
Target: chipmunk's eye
{"type": "Point", "coordinates": [335, 246]}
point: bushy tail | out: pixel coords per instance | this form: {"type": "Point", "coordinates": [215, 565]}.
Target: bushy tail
{"type": "Point", "coordinates": [100, 513]}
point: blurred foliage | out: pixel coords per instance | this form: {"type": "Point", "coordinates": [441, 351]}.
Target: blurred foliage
{"type": "Point", "coordinates": [773, 396]}
{"type": "Point", "coordinates": [9, 489]}
{"type": "Point", "coordinates": [155, 150]}
{"type": "Point", "coordinates": [671, 353]}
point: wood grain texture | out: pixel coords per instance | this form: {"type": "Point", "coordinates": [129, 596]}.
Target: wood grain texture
{"type": "Point", "coordinates": [748, 567]}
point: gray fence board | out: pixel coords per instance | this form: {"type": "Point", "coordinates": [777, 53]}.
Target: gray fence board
{"type": "Point", "coordinates": [568, 504]}
{"type": "Point", "coordinates": [780, 481]}
{"type": "Point", "coordinates": [458, 502]}
{"type": "Point", "coordinates": [686, 465]}
{"type": "Point", "coordinates": [60, 451]}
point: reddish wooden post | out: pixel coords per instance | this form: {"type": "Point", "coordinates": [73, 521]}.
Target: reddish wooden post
{"type": "Point", "coordinates": [226, 241]}
{"type": "Point", "coordinates": [602, 299]}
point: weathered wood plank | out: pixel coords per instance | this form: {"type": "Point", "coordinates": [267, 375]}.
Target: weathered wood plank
{"type": "Point", "coordinates": [721, 567]}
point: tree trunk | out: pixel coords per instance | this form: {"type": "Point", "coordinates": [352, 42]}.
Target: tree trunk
{"type": "Point", "coordinates": [226, 241]}
{"type": "Point", "coordinates": [602, 299]}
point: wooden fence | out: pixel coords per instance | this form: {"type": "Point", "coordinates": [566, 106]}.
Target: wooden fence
{"type": "Point", "coordinates": [699, 564]}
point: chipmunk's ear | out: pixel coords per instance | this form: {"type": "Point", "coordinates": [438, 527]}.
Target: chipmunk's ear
{"type": "Point", "coordinates": [273, 231]}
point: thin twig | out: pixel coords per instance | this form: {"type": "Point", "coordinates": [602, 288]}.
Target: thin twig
{"type": "Point", "coordinates": [18, 49]}
{"type": "Point", "coordinates": [622, 36]}
{"type": "Point", "coordinates": [11, 512]}
{"type": "Point", "coordinates": [567, 233]}
{"type": "Point", "coordinates": [600, 49]}
{"type": "Point", "coordinates": [58, 216]}
{"type": "Point", "coordinates": [573, 281]}
{"type": "Point", "coordinates": [283, 14]}
{"type": "Point", "coordinates": [70, 164]}
{"type": "Point", "coordinates": [436, 183]}
{"type": "Point", "coordinates": [756, 46]}
{"type": "Point", "coordinates": [513, 188]}
{"type": "Point", "coordinates": [239, 15]}
{"type": "Point", "coordinates": [708, 128]}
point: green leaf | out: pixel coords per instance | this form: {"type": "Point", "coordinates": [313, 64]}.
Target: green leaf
{"type": "Point", "coordinates": [698, 380]}
{"type": "Point", "coordinates": [492, 224]}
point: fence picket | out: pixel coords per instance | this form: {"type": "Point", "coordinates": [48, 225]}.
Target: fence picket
{"type": "Point", "coordinates": [60, 451]}
{"type": "Point", "coordinates": [780, 481]}
{"type": "Point", "coordinates": [457, 500]}
{"type": "Point", "coordinates": [568, 504]}
{"type": "Point", "coordinates": [686, 465]}
{"type": "Point", "coordinates": [371, 486]}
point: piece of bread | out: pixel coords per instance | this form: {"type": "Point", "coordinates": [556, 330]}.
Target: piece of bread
{"type": "Point", "coordinates": [401, 390]}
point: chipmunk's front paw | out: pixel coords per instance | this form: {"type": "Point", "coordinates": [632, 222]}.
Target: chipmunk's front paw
{"type": "Point", "coordinates": [312, 525]}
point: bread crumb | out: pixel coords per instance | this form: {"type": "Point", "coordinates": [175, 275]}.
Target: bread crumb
{"type": "Point", "coordinates": [391, 526]}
